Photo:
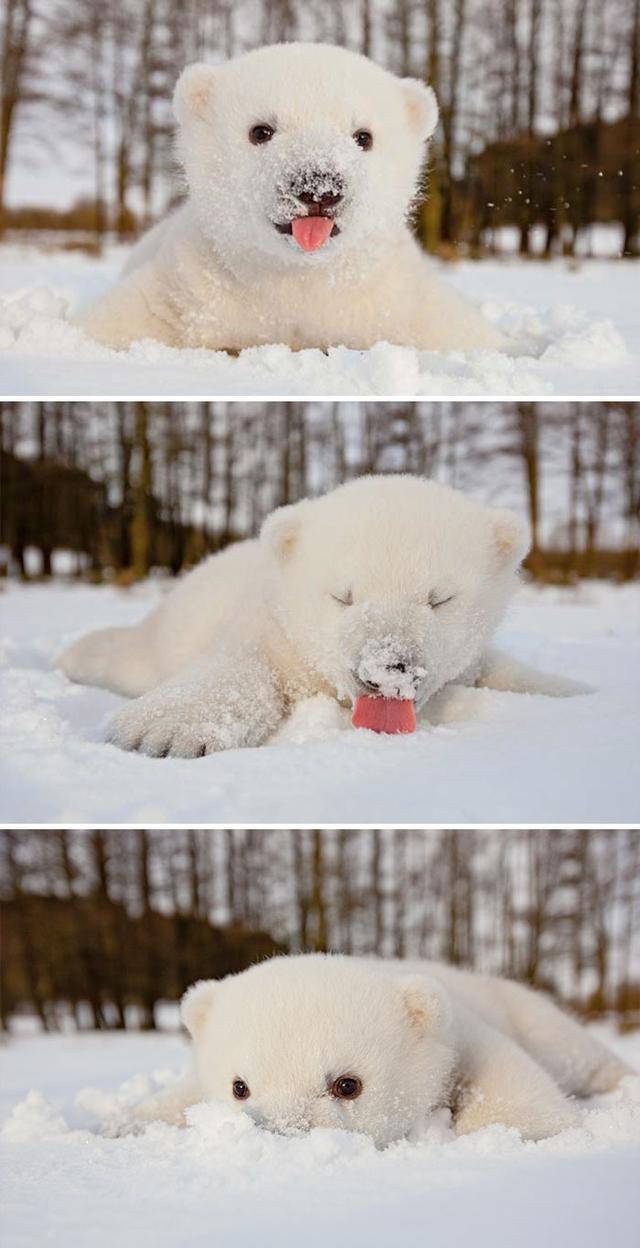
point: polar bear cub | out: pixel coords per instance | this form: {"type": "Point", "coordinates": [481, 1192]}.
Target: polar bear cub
{"type": "Point", "coordinates": [376, 1046]}
{"type": "Point", "coordinates": [302, 163]}
{"type": "Point", "coordinates": [387, 586]}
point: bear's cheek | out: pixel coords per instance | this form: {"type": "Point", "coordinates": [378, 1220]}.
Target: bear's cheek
{"type": "Point", "coordinates": [456, 645]}
{"type": "Point", "coordinates": [228, 166]}
{"type": "Point", "coordinates": [313, 621]}
{"type": "Point", "coordinates": [331, 655]}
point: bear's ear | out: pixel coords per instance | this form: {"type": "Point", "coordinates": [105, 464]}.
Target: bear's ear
{"type": "Point", "coordinates": [280, 530]}
{"type": "Point", "coordinates": [196, 1004]}
{"type": "Point", "coordinates": [192, 95]}
{"type": "Point", "coordinates": [510, 536]}
{"type": "Point", "coordinates": [425, 1005]}
{"type": "Point", "coordinates": [422, 106]}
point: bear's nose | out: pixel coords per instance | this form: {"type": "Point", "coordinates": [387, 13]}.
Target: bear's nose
{"type": "Point", "coordinates": [316, 201]}
{"type": "Point", "coordinates": [318, 189]}
{"type": "Point", "coordinates": [385, 675]}
{"type": "Point", "coordinates": [389, 667]}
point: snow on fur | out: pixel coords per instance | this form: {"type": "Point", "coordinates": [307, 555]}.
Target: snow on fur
{"type": "Point", "coordinates": [392, 585]}
{"type": "Point", "coordinates": [418, 1036]}
{"type": "Point", "coordinates": [221, 273]}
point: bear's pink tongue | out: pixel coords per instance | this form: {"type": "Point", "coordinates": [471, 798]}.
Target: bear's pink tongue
{"type": "Point", "coordinates": [384, 714]}
{"type": "Point", "coordinates": [311, 233]}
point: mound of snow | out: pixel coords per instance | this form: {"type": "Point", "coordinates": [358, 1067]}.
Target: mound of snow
{"type": "Point", "coordinates": [577, 333]}
{"type": "Point", "coordinates": [225, 1180]}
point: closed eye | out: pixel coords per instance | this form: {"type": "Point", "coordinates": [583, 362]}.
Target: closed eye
{"type": "Point", "coordinates": [345, 599]}
{"type": "Point", "coordinates": [440, 602]}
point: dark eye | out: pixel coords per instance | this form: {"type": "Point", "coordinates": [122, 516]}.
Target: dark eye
{"type": "Point", "coordinates": [241, 1090]}
{"type": "Point", "coordinates": [345, 599]}
{"type": "Point", "coordinates": [364, 139]}
{"type": "Point", "coordinates": [346, 1088]}
{"type": "Point", "coordinates": [261, 134]}
{"type": "Point", "coordinates": [440, 602]}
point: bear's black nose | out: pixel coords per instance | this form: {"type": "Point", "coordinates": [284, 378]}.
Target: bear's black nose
{"type": "Point", "coordinates": [318, 189]}
{"type": "Point", "coordinates": [318, 200]}
{"type": "Point", "coordinates": [374, 685]}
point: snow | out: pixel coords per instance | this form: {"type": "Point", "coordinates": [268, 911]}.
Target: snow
{"type": "Point", "coordinates": [573, 329]}
{"type": "Point", "coordinates": [225, 1180]}
{"type": "Point", "coordinates": [377, 656]}
{"type": "Point", "coordinates": [486, 756]}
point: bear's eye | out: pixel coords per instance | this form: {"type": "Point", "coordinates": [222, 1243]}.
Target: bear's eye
{"type": "Point", "coordinates": [240, 1090]}
{"type": "Point", "coordinates": [440, 602]}
{"type": "Point", "coordinates": [345, 599]}
{"type": "Point", "coordinates": [364, 139]}
{"type": "Point", "coordinates": [261, 133]}
{"type": "Point", "coordinates": [346, 1088]}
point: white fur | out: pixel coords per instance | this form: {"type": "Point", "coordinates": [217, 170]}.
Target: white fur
{"type": "Point", "coordinates": [252, 631]}
{"type": "Point", "coordinates": [420, 1036]}
{"type": "Point", "coordinates": [218, 274]}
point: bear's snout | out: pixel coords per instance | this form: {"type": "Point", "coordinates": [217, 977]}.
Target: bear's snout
{"type": "Point", "coordinates": [382, 669]}
{"type": "Point", "coordinates": [318, 201]}
{"type": "Point", "coordinates": [285, 1120]}
{"type": "Point", "coordinates": [318, 190]}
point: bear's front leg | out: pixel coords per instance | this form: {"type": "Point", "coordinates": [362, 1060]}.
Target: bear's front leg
{"type": "Point", "coordinates": [216, 704]}
{"type": "Point", "coordinates": [130, 311]}
{"type": "Point", "coordinates": [168, 1105]}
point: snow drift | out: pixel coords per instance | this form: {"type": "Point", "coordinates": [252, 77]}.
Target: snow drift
{"type": "Point", "coordinates": [226, 1180]}
{"type": "Point", "coordinates": [572, 329]}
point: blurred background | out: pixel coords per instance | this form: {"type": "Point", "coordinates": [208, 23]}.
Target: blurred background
{"type": "Point", "coordinates": [115, 490]}
{"type": "Point", "coordinates": [537, 151]}
{"type": "Point", "coordinates": [102, 929]}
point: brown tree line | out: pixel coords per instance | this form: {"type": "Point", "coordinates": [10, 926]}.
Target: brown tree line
{"type": "Point", "coordinates": [539, 102]}
{"type": "Point", "coordinates": [102, 927]}
{"type": "Point", "coordinates": [127, 487]}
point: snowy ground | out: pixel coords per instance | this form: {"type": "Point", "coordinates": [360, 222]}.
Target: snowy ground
{"type": "Point", "coordinates": [573, 328]}
{"type": "Point", "coordinates": [485, 757]}
{"type": "Point", "coordinates": [225, 1181]}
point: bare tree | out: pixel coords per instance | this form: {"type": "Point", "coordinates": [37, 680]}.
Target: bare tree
{"type": "Point", "coordinates": [98, 927]}
{"type": "Point", "coordinates": [15, 50]}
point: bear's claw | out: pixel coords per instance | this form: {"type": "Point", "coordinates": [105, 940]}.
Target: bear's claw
{"type": "Point", "coordinates": [164, 736]}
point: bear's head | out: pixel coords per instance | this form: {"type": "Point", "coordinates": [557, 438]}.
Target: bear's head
{"type": "Point", "coordinates": [323, 1041]}
{"type": "Point", "coordinates": [391, 586]}
{"type": "Point", "coordinates": [298, 153]}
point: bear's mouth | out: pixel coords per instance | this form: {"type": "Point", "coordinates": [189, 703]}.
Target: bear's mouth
{"type": "Point", "coordinates": [385, 715]}
{"type": "Point", "coordinates": [309, 232]}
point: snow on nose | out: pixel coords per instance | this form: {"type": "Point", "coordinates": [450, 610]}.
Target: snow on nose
{"type": "Point", "coordinates": [292, 1121]}
{"type": "Point", "coordinates": [289, 1126]}
{"type": "Point", "coordinates": [283, 1114]}
{"type": "Point", "coordinates": [386, 669]}
{"type": "Point", "coordinates": [321, 189]}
